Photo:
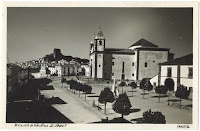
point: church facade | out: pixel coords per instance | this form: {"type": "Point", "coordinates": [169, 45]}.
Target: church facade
{"type": "Point", "coordinates": [140, 60]}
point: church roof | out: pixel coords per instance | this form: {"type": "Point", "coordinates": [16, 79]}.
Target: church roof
{"type": "Point", "coordinates": [143, 42]}
{"type": "Point", "coordinates": [119, 51]}
{"type": "Point", "coordinates": [152, 49]}
{"type": "Point", "coordinates": [99, 34]}
{"type": "Point", "coordinates": [185, 60]}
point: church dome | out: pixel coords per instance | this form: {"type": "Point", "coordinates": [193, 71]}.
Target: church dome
{"type": "Point", "coordinates": [99, 34]}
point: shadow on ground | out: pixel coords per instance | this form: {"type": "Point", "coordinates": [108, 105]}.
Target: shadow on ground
{"type": "Point", "coordinates": [47, 88]}
{"type": "Point", "coordinates": [145, 93]}
{"type": "Point", "coordinates": [35, 112]}
{"type": "Point", "coordinates": [93, 96]}
{"type": "Point", "coordinates": [137, 119]}
{"type": "Point", "coordinates": [134, 110]}
{"type": "Point", "coordinates": [115, 120]}
{"type": "Point", "coordinates": [162, 96]}
{"type": "Point", "coordinates": [131, 96]}
{"type": "Point", "coordinates": [132, 91]}
{"type": "Point", "coordinates": [90, 93]}
{"type": "Point", "coordinates": [54, 100]}
{"type": "Point", "coordinates": [174, 100]}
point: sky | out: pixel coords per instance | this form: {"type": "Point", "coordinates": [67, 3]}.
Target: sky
{"type": "Point", "coordinates": [33, 32]}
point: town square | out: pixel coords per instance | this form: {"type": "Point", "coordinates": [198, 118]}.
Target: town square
{"type": "Point", "coordinates": [100, 66]}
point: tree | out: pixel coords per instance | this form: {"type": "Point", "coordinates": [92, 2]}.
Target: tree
{"type": "Point", "coordinates": [105, 96]}
{"type": "Point", "coordinates": [122, 84]}
{"type": "Point", "coordinates": [145, 85]}
{"type": "Point", "coordinates": [80, 89]}
{"type": "Point", "coordinates": [86, 89]}
{"type": "Point", "coordinates": [122, 105]}
{"type": "Point", "coordinates": [133, 85]}
{"type": "Point", "coordinates": [161, 90]}
{"type": "Point", "coordinates": [182, 93]}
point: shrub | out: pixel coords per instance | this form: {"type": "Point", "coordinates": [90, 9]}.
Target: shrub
{"type": "Point", "coordinates": [152, 117]}
{"type": "Point", "coordinates": [182, 92]}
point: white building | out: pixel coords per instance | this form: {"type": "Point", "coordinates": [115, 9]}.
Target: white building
{"type": "Point", "coordinates": [136, 62]}
{"type": "Point", "coordinates": [179, 71]}
{"type": "Point", "coordinates": [43, 70]}
{"type": "Point", "coordinates": [71, 69]}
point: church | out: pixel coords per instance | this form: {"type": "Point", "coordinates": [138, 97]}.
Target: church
{"type": "Point", "coordinates": [140, 60]}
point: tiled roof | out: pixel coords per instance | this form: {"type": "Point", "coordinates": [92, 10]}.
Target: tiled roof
{"type": "Point", "coordinates": [185, 60]}
{"type": "Point", "coordinates": [118, 51]}
{"type": "Point", "coordinates": [143, 42]}
{"type": "Point", "coordinates": [152, 48]}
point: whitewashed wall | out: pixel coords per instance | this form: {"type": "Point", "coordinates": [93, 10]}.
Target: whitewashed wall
{"type": "Point", "coordinates": [184, 80]}
{"type": "Point", "coordinates": [164, 74]}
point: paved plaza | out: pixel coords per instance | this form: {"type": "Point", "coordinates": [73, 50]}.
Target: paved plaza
{"type": "Point", "coordinates": [80, 111]}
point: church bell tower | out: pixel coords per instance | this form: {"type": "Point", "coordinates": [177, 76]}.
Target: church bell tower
{"type": "Point", "coordinates": [97, 47]}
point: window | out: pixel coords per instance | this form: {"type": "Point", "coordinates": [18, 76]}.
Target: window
{"type": "Point", "coordinates": [169, 72]}
{"type": "Point", "coordinates": [190, 74]}
{"type": "Point", "coordinates": [154, 61]}
{"type": "Point", "coordinates": [112, 74]}
{"type": "Point", "coordinates": [100, 42]}
{"type": "Point", "coordinates": [133, 74]}
{"type": "Point", "coordinates": [133, 64]}
{"type": "Point", "coordinates": [99, 65]}
{"type": "Point", "coordinates": [145, 64]}
{"type": "Point", "coordinates": [113, 63]}
{"type": "Point", "coordinates": [123, 67]}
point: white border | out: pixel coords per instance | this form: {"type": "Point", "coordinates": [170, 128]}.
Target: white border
{"type": "Point", "coordinates": [3, 60]}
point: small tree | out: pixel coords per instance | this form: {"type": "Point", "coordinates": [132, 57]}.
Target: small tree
{"type": "Point", "coordinates": [133, 85]}
{"type": "Point", "coordinates": [122, 84]}
{"type": "Point", "coordinates": [80, 89]}
{"type": "Point", "coordinates": [105, 96]}
{"type": "Point", "coordinates": [182, 93]}
{"type": "Point", "coordinates": [86, 89]}
{"type": "Point", "coordinates": [161, 90]}
{"type": "Point", "coordinates": [145, 85]}
{"type": "Point", "coordinates": [122, 105]}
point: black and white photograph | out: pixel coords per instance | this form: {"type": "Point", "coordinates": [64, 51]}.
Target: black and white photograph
{"type": "Point", "coordinates": [101, 65]}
